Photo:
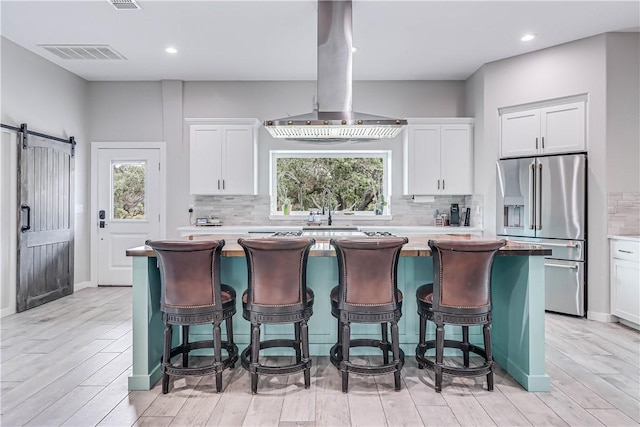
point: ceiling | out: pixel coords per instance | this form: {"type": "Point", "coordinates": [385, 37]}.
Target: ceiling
{"type": "Point", "coordinates": [276, 40]}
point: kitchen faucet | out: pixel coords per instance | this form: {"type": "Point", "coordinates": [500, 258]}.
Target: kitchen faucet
{"type": "Point", "coordinates": [327, 192]}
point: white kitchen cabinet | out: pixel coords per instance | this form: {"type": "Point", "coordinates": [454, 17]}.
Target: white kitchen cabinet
{"type": "Point", "coordinates": [625, 279]}
{"type": "Point", "coordinates": [438, 157]}
{"type": "Point", "coordinates": [548, 129]}
{"type": "Point", "coordinates": [223, 156]}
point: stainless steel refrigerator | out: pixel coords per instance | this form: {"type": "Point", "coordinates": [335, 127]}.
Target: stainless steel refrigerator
{"type": "Point", "coordinates": [543, 200]}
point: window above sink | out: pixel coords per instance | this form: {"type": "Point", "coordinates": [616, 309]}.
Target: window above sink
{"type": "Point", "coordinates": [359, 181]}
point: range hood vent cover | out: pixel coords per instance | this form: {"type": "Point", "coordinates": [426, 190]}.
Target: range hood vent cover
{"type": "Point", "coordinates": [334, 119]}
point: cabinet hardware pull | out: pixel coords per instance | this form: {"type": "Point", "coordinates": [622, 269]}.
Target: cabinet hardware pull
{"type": "Point", "coordinates": [223, 184]}
{"type": "Point", "coordinates": [443, 184]}
{"type": "Point", "coordinates": [536, 142]}
{"type": "Point", "coordinates": [571, 267]}
{"type": "Point", "coordinates": [438, 184]}
{"type": "Point", "coordinates": [625, 252]}
{"type": "Point", "coordinates": [543, 142]}
{"type": "Point", "coordinates": [218, 184]}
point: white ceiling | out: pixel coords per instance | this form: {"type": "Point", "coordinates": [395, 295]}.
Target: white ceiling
{"type": "Point", "coordinates": [276, 40]}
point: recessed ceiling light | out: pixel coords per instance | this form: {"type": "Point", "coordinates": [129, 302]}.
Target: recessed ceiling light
{"type": "Point", "coordinates": [528, 37]}
{"type": "Point", "coordinates": [354, 49]}
{"type": "Point", "coordinates": [171, 50]}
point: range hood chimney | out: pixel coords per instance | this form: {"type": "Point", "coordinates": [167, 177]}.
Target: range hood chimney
{"type": "Point", "coordinates": [333, 119]}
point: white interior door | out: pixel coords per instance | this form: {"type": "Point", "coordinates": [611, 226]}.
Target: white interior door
{"type": "Point", "coordinates": [128, 208]}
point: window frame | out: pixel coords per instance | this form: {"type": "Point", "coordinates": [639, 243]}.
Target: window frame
{"type": "Point", "coordinates": [274, 155]}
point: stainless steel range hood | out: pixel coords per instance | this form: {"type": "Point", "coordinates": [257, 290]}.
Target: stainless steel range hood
{"type": "Point", "coordinates": [334, 119]}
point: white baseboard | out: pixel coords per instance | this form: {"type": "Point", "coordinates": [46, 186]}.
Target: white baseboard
{"type": "Point", "coordinates": [82, 285]}
{"type": "Point", "coordinates": [601, 317]}
{"type": "Point", "coordinates": [7, 311]}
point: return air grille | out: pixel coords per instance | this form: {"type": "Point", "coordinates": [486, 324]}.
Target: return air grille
{"type": "Point", "coordinates": [90, 52]}
{"type": "Point", "coordinates": [124, 4]}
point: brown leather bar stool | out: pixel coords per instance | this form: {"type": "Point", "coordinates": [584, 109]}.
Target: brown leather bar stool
{"type": "Point", "coordinates": [460, 295]}
{"type": "Point", "coordinates": [367, 292]}
{"type": "Point", "coordinates": [192, 294]}
{"type": "Point", "coordinates": [277, 293]}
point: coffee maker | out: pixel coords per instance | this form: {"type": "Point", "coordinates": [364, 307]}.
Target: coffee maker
{"type": "Point", "coordinates": [455, 215]}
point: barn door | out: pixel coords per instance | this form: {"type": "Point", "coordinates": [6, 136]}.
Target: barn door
{"type": "Point", "coordinates": [45, 229]}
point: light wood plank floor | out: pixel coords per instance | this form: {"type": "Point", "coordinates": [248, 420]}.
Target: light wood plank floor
{"type": "Point", "coordinates": [67, 363]}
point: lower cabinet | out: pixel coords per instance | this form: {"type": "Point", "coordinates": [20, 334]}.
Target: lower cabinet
{"type": "Point", "coordinates": [625, 279]}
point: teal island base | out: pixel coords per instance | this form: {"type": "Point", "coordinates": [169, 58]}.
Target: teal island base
{"type": "Point", "coordinates": [517, 286]}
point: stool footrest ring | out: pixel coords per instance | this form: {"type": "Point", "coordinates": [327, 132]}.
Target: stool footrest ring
{"type": "Point", "coordinates": [274, 370]}
{"type": "Point", "coordinates": [346, 366]}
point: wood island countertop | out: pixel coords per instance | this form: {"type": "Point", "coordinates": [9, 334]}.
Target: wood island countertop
{"type": "Point", "coordinates": [417, 246]}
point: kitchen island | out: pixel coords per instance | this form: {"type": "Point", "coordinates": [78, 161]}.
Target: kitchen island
{"type": "Point", "coordinates": [517, 285]}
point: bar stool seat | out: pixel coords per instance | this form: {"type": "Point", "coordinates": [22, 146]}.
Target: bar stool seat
{"type": "Point", "coordinates": [192, 294]}
{"type": "Point", "coordinates": [367, 292]}
{"type": "Point", "coordinates": [460, 295]}
{"type": "Point", "coordinates": [277, 293]}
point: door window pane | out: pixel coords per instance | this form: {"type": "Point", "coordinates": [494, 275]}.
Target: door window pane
{"type": "Point", "coordinates": [128, 184]}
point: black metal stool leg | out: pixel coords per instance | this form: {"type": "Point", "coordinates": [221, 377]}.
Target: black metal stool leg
{"type": "Point", "coordinates": [486, 331]}
{"type": "Point", "coordinates": [439, 356]}
{"type": "Point", "coordinates": [255, 353]}
{"type": "Point", "coordinates": [422, 338]}
{"type": "Point", "coordinates": [296, 328]}
{"type": "Point", "coordinates": [185, 346]}
{"type": "Point", "coordinates": [385, 341]}
{"type": "Point", "coordinates": [305, 353]}
{"type": "Point", "coordinates": [166, 357]}
{"type": "Point", "coordinates": [465, 346]}
{"type": "Point", "coordinates": [346, 342]}
{"type": "Point", "coordinates": [229, 325]}
{"type": "Point", "coordinates": [395, 338]}
{"type": "Point", "coordinates": [217, 354]}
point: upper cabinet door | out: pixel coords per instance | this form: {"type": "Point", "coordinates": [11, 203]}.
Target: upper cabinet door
{"type": "Point", "coordinates": [456, 159]}
{"type": "Point", "coordinates": [238, 169]}
{"type": "Point", "coordinates": [205, 159]}
{"type": "Point", "coordinates": [520, 133]}
{"type": "Point", "coordinates": [562, 128]}
{"type": "Point", "coordinates": [424, 159]}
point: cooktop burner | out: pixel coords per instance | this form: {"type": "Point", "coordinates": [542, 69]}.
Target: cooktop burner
{"type": "Point", "coordinates": [287, 233]}
{"type": "Point", "coordinates": [378, 233]}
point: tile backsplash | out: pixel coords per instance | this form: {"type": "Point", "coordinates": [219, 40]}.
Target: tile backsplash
{"type": "Point", "coordinates": [254, 210]}
{"type": "Point", "coordinates": [624, 213]}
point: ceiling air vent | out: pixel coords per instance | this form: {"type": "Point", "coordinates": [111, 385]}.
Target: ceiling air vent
{"type": "Point", "coordinates": [83, 51]}
{"type": "Point", "coordinates": [124, 4]}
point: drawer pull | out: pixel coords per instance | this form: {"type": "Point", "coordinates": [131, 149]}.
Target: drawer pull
{"type": "Point", "coordinates": [572, 267]}
{"type": "Point", "coordinates": [560, 245]}
{"type": "Point", "coordinates": [625, 252]}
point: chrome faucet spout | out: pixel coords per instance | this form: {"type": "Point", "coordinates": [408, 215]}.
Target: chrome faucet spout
{"type": "Point", "coordinates": [327, 193]}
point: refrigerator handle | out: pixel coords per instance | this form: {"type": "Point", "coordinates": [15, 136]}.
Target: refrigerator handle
{"type": "Point", "coordinates": [532, 217]}
{"type": "Point", "coordinates": [539, 197]}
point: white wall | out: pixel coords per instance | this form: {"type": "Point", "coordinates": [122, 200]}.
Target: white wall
{"type": "Point", "coordinates": [8, 220]}
{"type": "Point", "coordinates": [579, 67]}
{"type": "Point", "coordinates": [53, 101]}
{"type": "Point", "coordinates": [147, 111]}
{"type": "Point", "coordinates": [623, 112]}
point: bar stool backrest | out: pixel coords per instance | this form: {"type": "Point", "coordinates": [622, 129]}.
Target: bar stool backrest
{"type": "Point", "coordinates": [462, 275]}
{"type": "Point", "coordinates": [368, 271]}
{"type": "Point", "coordinates": [277, 270]}
{"type": "Point", "coordinates": [189, 275]}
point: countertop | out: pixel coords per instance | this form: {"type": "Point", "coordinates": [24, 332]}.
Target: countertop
{"type": "Point", "coordinates": [420, 229]}
{"type": "Point", "coordinates": [625, 237]}
{"type": "Point", "coordinates": [417, 246]}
